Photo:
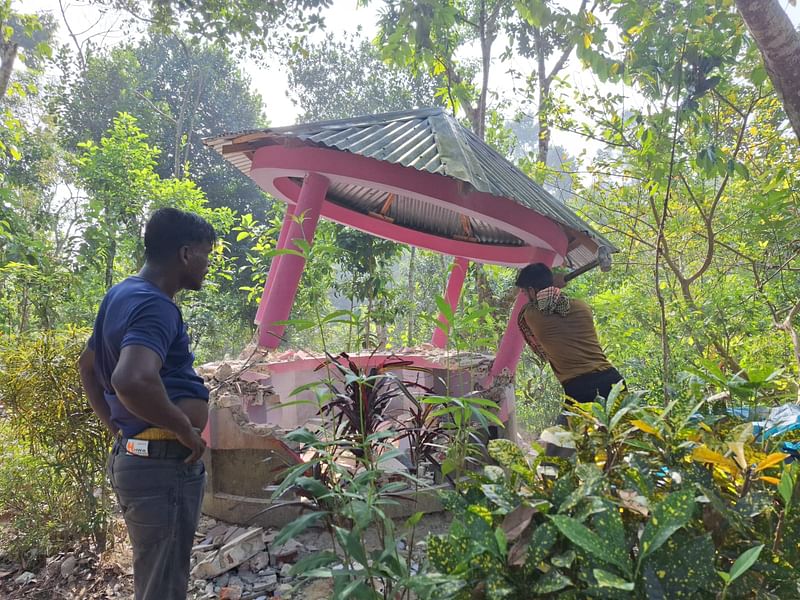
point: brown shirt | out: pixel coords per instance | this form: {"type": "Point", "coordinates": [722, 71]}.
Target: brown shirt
{"type": "Point", "coordinates": [570, 341]}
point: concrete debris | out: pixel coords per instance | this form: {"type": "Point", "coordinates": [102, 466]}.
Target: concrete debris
{"type": "Point", "coordinates": [223, 372]}
{"type": "Point", "coordinates": [286, 553]}
{"type": "Point", "coordinates": [259, 562]}
{"type": "Point", "coordinates": [232, 554]}
{"type": "Point", "coordinates": [68, 566]}
{"type": "Point", "coordinates": [233, 592]}
{"type": "Point", "coordinates": [265, 574]}
{"type": "Point", "coordinates": [25, 578]}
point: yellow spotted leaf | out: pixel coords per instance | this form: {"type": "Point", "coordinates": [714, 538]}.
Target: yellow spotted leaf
{"type": "Point", "coordinates": [707, 455]}
{"type": "Point", "coordinates": [646, 427]}
{"type": "Point", "coordinates": [737, 448]}
{"type": "Point", "coordinates": [771, 460]}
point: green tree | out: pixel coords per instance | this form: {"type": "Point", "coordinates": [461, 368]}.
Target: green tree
{"type": "Point", "coordinates": [346, 77]}
{"type": "Point", "coordinates": [255, 24]}
{"type": "Point", "coordinates": [179, 92]}
{"type": "Point", "coordinates": [698, 181]}
{"type": "Point", "coordinates": [123, 187]}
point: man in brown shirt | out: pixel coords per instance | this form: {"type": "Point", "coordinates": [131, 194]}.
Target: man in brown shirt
{"type": "Point", "coordinates": [561, 331]}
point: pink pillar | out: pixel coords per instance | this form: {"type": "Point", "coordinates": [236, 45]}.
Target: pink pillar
{"type": "Point", "coordinates": [273, 267]}
{"type": "Point", "coordinates": [512, 344]}
{"type": "Point", "coordinates": [290, 268]}
{"type": "Point", "coordinates": [458, 273]}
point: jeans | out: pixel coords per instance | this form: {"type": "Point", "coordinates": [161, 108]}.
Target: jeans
{"type": "Point", "coordinates": [586, 388]}
{"type": "Point", "coordinates": [581, 389]}
{"type": "Point", "coordinates": [160, 501]}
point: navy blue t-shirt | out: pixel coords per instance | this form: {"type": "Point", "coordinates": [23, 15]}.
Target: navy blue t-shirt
{"type": "Point", "coordinates": [135, 312]}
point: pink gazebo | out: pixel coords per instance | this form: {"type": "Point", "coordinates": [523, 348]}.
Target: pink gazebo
{"type": "Point", "coordinates": [415, 177]}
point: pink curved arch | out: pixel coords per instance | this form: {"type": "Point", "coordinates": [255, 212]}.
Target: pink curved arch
{"type": "Point", "coordinates": [274, 166]}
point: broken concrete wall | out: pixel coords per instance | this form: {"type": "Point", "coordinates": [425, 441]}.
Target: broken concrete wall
{"type": "Point", "coordinates": [252, 407]}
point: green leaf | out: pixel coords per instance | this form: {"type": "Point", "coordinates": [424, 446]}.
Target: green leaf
{"type": "Point", "coordinates": [588, 540]}
{"type": "Point", "coordinates": [298, 526]}
{"type": "Point", "coordinates": [609, 580]}
{"type": "Point", "coordinates": [758, 75]}
{"type": "Point", "coordinates": [533, 551]}
{"type": "Point", "coordinates": [314, 487]}
{"type": "Point", "coordinates": [741, 170]}
{"type": "Point", "coordinates": [745, 561]}
{"type": "Point", "coordinates": [446, 310]}
{"type": "Point", "coordinates": [565, 560]}
{"type": "Point", "coordinates": [502, 542]}
{"type": "Point", "coordinates": [551, 582]}
{"type": "Point", "coordinates": [350, 540]}
{"type": "Point", "coordinates": [313, 562]}
{"type": "Point", "coordinates": [786, 486]}
{"type": "Point", "coordinates": [682, 567]}
{"type": "Point", "coordinates": [301, 436]}
{"type": "Point", "coordinates": [414, 519]}
{"type": "Point", "coordinates": [669, 515]}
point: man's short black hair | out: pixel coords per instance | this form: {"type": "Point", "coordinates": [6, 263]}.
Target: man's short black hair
{"type": "Point", "coordinates": [537, 276]}
{"type": "Point", "coordinates": [169, 229]}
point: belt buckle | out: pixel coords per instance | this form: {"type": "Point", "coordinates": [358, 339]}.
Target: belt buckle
{"type": "Point", "coordinates": [137, 447]}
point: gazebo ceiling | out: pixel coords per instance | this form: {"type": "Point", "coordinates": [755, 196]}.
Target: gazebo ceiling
{"type": "Point", "coordinates": [413, 213]}
{"type": "Point", "coordinates": [431, 142]}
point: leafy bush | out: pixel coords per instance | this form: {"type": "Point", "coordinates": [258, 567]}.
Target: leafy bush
{"type": "Point", "coordinates": [52, 478]}
{"type": "Point", "coordinates": [652, 505]}
{"type": "Point", "coordinates": [344, 486]}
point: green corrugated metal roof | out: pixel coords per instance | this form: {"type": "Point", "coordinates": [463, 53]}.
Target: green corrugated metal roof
{"type": "Point", "coordinates": [427, 140]}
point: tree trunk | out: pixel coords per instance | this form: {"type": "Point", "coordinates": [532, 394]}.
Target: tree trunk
{"type": "Point", "coordinates": [779, 43]}
{"type": "Point", "coordinates": [544, 93]}
{"type": "Point", "coordinates": [788, 327]}
{"type": "Point", "coordinates": [8, 54]}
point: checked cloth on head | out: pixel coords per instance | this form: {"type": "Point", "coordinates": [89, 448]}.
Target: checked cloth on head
{"type": "Point", "coordinates": [548, 301]}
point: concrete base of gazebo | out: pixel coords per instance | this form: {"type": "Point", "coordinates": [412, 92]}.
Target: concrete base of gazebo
{"type": "Point", "coordinates": [252, 408]}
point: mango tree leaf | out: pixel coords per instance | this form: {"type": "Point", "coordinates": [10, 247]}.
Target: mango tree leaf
{"type": "Point", "coordinates": [669, 515]}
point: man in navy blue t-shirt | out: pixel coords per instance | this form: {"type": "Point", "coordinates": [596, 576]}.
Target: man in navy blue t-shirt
{"type": "Point", "coordinates": [138, 375]}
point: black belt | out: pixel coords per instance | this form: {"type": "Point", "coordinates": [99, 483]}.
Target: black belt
{"type": "Point", "coordinates": [166, 449]}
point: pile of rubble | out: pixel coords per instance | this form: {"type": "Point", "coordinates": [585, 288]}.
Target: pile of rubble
{"type": "Point", "coordinates": [239, 563]}
{"type": "Point", "coordinates": [228, 563]}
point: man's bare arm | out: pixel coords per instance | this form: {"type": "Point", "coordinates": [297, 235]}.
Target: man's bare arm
{"type": "Point", "coordinates": [139, 387]}
{"type": "Point", "coordinates": [93, 389]}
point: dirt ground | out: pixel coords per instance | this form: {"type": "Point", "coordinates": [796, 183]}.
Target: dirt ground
{"type": "Point", "coordinates": [82, 574]}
